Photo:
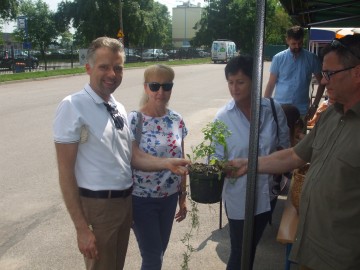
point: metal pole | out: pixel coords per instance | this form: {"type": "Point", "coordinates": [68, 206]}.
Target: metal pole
{"type": "Point", "coordinates": [120, 16]}
{"type": "Point", "coordinates": [185, 43]}
{"type": "Point", "coordinates": [254, 136]}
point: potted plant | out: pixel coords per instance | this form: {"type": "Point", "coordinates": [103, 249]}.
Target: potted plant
{"type": "Point", "coordinates": [206, 178]}
{"type": "Point", "coordinates": [206, 172]}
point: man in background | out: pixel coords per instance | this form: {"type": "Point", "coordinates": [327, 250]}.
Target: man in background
{"type": "Point", "coordinates": [291, 73]}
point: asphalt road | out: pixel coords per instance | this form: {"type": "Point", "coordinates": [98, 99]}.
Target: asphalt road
{"type": "Point", "coordinates": [35, 229]}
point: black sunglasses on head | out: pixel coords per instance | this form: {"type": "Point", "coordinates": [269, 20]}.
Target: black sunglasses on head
{"type": "Point", "coordinates": [154, 86]}
{"type": "Point", "coordinates": [336, 43]}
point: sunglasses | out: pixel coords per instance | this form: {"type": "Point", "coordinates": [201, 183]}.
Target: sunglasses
{"type": "Point", "coordinates": [336, 43]}
{"type": "Point", "coordinates": [117, 118]}
{"type": "Point", "coordinates": [154, 86]}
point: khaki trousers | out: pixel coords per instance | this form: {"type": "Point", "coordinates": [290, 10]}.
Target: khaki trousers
{"type": "Point", "coordinates": [111, 220]}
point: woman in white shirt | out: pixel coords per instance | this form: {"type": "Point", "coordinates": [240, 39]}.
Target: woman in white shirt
{"type": "Point", "coordinates": [236, 114]}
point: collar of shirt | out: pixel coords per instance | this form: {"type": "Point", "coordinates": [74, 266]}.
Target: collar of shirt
{"type": "Point", "coordinates": [95, 97]}
{"type": "Point", "coordinates": [354, 109]}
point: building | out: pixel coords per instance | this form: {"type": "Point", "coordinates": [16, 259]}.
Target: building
{"type": "Point", "coordinates": [8, 41]}
{"type": "Point", "coordinates": [184, 18]}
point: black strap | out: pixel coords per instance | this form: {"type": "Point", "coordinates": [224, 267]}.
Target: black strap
{"type": "Point", "coordinates": [275, 116]}
{"type": "Point", "coordinates": [138, 129]}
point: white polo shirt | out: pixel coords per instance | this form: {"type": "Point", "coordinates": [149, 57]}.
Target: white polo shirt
{"type": "Point", "coordinates": [104, 153]}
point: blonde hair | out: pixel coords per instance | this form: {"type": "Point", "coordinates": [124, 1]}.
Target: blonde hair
{"type": "Point", "coordinates": [159, 69]}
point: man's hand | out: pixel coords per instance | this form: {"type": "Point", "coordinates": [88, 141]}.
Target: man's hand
{"type": "Point", "coordinates": [87, 243]}
{"type": "Point", "coordinates": [237, 167]}
{"type": "Point", "coordinates": [177, 165]}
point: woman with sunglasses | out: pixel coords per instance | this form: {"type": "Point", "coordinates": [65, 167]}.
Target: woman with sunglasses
{"type": "Point", "coordinates": [159, 131]}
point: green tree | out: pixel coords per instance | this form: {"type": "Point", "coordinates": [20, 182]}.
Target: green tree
{"type": "Point", "coordinates": [145, 22]}
{"type": "Point", "coordinates": [66, 40]}
{"type": "Point", "coordinates": [276, 24]}
{"type": "Point", "coordinates": [42, 29]}
{"type": "Point", "coordinates": [9, 9]}
{"type": "Point", "coordinates": [235, 20]}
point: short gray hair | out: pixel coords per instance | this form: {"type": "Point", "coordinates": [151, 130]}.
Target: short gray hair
{"type": "Point", "coordinates": [101, 42]}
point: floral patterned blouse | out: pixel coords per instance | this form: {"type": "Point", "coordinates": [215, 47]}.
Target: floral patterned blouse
{"type": "Point", "coordinates": [161, 137]}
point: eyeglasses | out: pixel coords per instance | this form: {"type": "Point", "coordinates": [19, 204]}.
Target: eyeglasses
{"type": "Point", "coordinates": [154, 86]}
{"type": "Point", "coordinates": [327, 74]}
{"type": "Point", "coordinates": [117, 118]}
{"type": "Point", "coordinates": [336, 43]}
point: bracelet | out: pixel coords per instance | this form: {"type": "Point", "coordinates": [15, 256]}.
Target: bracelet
{"type": "Point", "coordinates": [183, 192]}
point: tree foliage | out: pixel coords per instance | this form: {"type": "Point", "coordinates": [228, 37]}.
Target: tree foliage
{"type": "Point", "coordinates": [8, 9]}
{"type": "Point", "coordinates": [145, 22]}
{"type": "Point", "coordinates": [42, 29]}
{"type": "Point", "coordinates": [235, 20]}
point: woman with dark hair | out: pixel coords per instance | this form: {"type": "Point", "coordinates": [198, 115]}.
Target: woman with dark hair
{"type": "Point", "coordinates": [236, 114]}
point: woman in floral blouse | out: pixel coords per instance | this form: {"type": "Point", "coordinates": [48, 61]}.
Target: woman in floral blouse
{"type": "Point", "coordinates": [156, 194]}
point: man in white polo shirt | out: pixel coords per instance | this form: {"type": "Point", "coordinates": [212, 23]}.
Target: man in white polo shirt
{"type": "Point", "coordinates": [95, 152]}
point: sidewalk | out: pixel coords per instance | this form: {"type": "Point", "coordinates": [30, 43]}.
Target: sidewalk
{"type": "Point", "coordinates": [212, 246]}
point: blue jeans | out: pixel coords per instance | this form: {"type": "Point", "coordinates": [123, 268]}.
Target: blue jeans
{"type": "Point", "coordinates": [153, 220]}
{"type": "Point", "coordinates": [236, 239]}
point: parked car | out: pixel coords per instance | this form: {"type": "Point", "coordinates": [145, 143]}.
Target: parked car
{"type": "Point", "coordinates": [7, 61]}
{"type": "Point", "coordinates": [154, 55]}
{"type": "Point", "coordinates": [131, 56]}
{"type": "Point", "coordinates": [173, 54]}
{"type": "Point", "coordinates": [203, 53]}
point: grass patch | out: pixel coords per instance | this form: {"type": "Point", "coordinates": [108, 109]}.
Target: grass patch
{"type": "Point", "coordinates": [81, 70]}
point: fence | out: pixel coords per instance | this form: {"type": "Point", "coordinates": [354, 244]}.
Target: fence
{"type": "Point", "coordinates": [69, 58]}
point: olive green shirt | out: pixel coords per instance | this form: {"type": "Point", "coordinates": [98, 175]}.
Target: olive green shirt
{"type": "Point", "coordinates": [328, 236]}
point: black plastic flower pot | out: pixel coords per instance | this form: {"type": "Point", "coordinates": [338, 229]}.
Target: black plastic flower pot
{"type": "Point", "coordinates": [206, 188]}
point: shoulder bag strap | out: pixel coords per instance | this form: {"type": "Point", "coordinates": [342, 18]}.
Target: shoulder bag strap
{"type": "Point", "coordinates": [138, 129]}
{"type": "Point", "coordinates": [274, 115]}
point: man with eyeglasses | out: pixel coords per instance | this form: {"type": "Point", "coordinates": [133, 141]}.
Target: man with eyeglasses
{"type": "Point", "coordinates": [95, 153]}
{"type": "Point", "coordinates": [291, 73]}
{"type": "Point", "coordinates": [329, 216]}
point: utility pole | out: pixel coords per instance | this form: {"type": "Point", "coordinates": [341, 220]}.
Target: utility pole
{"type": "Point", "coordinates": [120, 15]}
{"type": "Point", "coordinates": [120, 34]}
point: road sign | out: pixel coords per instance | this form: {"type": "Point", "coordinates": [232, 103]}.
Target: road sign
{"type": "Point", "coordinates": [82, 56]}
{"type": "Point", "coordinates": [27, 45]}
{"type": "Point", "coordinates": [21, 22]}
{"type": "Point", "coordinates": [120, 34]}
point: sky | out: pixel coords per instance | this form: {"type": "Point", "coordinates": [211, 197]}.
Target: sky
{"type": "Point", "coordinates": [54, 3]}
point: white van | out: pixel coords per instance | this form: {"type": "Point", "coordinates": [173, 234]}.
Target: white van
{"type": "Point", "coordinates": [223, 50]}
